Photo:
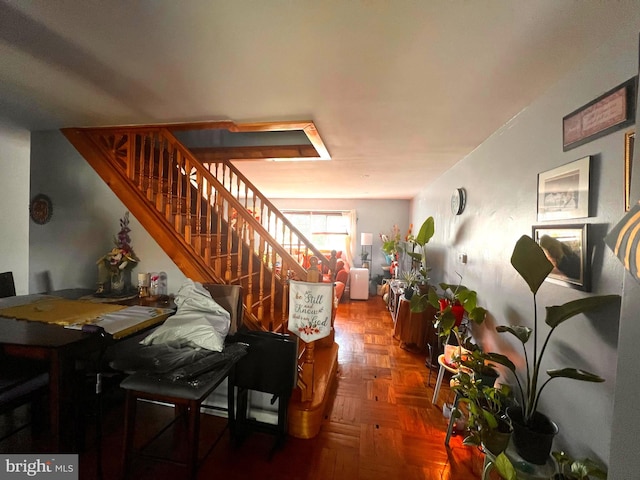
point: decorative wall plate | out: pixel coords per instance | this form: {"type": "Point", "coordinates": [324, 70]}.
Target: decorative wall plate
{"type": "Point", "coordinates": [41, 209]}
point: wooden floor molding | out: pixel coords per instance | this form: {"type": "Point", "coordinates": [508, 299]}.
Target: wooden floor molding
{"type": "Point", "coordinates": [381, 424]}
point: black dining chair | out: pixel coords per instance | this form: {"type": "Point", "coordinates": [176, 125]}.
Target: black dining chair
{"type": "Point", "coordinates": [7, 285]}
{"type": "Point", "coordinates": [21, 381]}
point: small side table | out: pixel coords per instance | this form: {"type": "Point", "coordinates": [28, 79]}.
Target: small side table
{"type": "Point", "coordinates": [410, 328]}
{"type": "Point", "coordinates": [443, 367]}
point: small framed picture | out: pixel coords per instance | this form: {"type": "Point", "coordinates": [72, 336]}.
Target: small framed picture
{"type": "Point", "coordinates": [566, 248]}
{"type": "Point", "coordinates": [563, 193]}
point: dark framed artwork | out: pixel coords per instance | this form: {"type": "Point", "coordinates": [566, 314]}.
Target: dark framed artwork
{"type": "Point", "coordinates": [563, 192]}
{"type": "Point", "coordinates": [566, 248]}
{"type": "Point", "coordinates": [629, 139]}
{"type": "Point", "coordinates": [609, 112]}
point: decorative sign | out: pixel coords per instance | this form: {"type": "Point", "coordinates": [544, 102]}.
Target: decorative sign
{"type": "Point", "coordinates": [310, 307]}
{"type": "Point", "coordinates": [607, 113]}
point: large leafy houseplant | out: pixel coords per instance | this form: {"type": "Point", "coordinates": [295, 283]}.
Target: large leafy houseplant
{"type": "Point", "coordinates": [531, 263]}
{"type": "Point", "coordinates": [426, 232]}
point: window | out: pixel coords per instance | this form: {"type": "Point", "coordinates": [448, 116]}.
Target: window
{"type": "Point", "coordinates": [327, 230]}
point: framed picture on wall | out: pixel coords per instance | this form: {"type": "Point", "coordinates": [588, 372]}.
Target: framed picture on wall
{"type": "Point", "coordinates": [566, 248]}
{"type": "Point", "coordinates": [629, 139]}
{"type": "Point", "coordinates": [563, 192]}
{"type": "Point", "coordinates": [606, 114]}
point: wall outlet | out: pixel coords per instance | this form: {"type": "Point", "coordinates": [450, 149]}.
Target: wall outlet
{"type": "Point", "coordinates": [462, 257]}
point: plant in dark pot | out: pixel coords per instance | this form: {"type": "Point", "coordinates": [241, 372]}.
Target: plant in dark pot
{"type": "Point", "coordinates": [410, 279]}
{"type": "Point", "coordinates": [533, 431]}
{"type": "Point", "coordinates": [488, 423]}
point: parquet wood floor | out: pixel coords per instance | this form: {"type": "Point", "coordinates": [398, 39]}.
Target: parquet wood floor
{"type": "Point", "coordinates": [381, 425]}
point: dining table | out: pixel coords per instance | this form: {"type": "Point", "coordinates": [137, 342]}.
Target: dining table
{"type": "Point", "coordinates": [65, 346]}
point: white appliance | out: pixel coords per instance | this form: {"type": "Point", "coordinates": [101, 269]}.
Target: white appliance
{"type": "Point", "coordinates": [359, 284]}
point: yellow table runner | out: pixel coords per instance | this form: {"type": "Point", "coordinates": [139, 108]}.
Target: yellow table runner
{"type": "Point", "coordinates": [60, 311]}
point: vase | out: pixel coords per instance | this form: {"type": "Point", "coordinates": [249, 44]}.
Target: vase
{"type": "Point", "coordinates": [120, 281]}
{"type": "Point", "coordinates": [533, 442]}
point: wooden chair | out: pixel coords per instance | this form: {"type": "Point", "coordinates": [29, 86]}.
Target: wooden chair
{"type": "Point", "coordinates": [187, 399]}
{"type": "Point", "coordinates": [21, 381]}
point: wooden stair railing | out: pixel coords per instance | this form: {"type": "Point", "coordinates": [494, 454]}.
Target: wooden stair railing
{"type": "Point", "coordinates": [209, 232]}
{"type": "Point", "coordinates": [261, 208]}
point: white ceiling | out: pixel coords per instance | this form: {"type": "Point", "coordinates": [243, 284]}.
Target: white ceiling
{"type": "Point", "coordinates": [400, 90]}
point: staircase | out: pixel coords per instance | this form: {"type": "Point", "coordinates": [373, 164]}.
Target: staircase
{"type": "Point", "coordinates": [217, 227]}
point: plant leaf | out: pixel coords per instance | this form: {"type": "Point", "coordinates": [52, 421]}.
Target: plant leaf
{"type": "Point", "coordinates": [490, 419]}
{"type": "Point", "coordinates": [477, 315]}
{"type": "Point", "coordinates": [500, 359]}
{"type": "Point", "coordinates": [426, 232]}
{"type": "Point", "coordinates": [505, 467]}
{"type": "Point", "coordinates": [419, 303]}
{"type": "Point", "coordinates": [530, 262]}
{"type": "Point", "coordinates": [415, 256]}
{"type": "Point", "coordinates": [522, 333]}
{"type": "Point", "coordinates": [559, 313]}
{"type": "Point", "coordinates": [433, 297]}
{"type": "Point", "coordinates": [575, 374]}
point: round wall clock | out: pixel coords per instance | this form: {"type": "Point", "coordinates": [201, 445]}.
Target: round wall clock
{"type": "Point", "coordinates": [41, 209]}
{"type": "Point", "coordinates": [458, 199]}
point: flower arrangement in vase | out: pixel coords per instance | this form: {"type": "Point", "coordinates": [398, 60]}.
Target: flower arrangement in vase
{"type": "Point", "coordinates": [116, 265]}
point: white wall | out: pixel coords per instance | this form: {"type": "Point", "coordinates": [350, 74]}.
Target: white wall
{"type": "Point", "coordinates": [500, 178]}
{"type": "Point", "coordinates": [14, 204]}
{"type": "Point", "coordinates": [86, 216]}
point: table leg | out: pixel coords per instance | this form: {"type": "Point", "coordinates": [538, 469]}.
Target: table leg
{"type": "Point", "coordinates": [62, 403]}
{"type": "Point", "coordinates": [436, 390]}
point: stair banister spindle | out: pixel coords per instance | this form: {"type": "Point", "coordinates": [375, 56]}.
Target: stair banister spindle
{"type": "Point", "coordinates": [198, 213]}
{"type": "Point", "coordinates": [272, 310]}
{"type": "Point", "coordinates": [188, 225]}
{"type": "Point", "coordinates": [229, 237]}
{"type": "Point", "coordinates": [252, 248]}
{"type": "Point", "coordinates": [260, 284]}
{"type": "Point", "coordinates": [160, 198]}
{"type": "Point", "coordinates": [151, 162]}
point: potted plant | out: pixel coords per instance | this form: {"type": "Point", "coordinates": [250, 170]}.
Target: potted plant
{"type": "Point", "coordinates": [566, 468]}
{"type": "Point", "coordinates": [426, 232]}
{"type": "Point", "coordinates": [410, 278]}
{"type": "Point", "coordinates": [534, 431]}
{"type": "Point", "coordinates": [479, 362]}
{"type": "Point", "coordinates": [364, 256]}
{"type": "Point", "coordinates": [488, 424]}
{"type": "Point", "coordinates": [570, 469]}
{"type": "Point", "coordinates": [390, 243]}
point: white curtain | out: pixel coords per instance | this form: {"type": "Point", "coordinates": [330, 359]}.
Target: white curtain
{"type": "Point", "coordinates": [349, 239]}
